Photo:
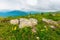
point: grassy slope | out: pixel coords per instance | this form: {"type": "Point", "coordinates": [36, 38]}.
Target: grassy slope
{"type": "Point", "coordinates": [7, 31]}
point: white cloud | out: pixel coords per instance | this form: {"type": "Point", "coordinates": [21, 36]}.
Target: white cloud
{"type": "Point", "coordinates": [32, 2]}
{"type": "Point", "coordinates": [29, 5]}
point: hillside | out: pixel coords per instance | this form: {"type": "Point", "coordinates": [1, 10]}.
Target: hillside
{"type": "Point", "coordinates": [44, 30]}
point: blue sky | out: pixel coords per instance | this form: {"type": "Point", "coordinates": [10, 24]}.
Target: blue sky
{"type": "Point", "coordinates": [30, 5]}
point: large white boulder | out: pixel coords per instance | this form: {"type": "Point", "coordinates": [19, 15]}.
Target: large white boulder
{"type": "Point", "coordinates": [27, 22]}
{"type": "Point", "coordinates": [50, 22]}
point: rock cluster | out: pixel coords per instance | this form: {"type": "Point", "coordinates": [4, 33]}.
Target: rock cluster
{"type": "Point", "coordinates": [23, 22]}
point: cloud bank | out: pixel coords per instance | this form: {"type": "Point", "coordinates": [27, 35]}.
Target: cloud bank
{"type": "Point", "coordinates": [30, 5]}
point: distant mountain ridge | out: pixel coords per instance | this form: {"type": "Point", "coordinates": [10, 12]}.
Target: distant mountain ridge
{"type": "Point", "coordinates": [13, 13]}
{"type": "Point", "coordinates": [16, 13]}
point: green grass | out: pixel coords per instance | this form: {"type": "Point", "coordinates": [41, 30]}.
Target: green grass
{"type": "Point", "coordinates": [7, 31]}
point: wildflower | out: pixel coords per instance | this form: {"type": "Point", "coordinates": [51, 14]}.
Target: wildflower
{"type": "Point", "coordinates": [15, 28]}
{"type": "Point", "coordinates": [37, 38]}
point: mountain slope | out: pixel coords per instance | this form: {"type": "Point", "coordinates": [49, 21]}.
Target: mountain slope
{"type": "Point", "coordinates": [13, 13]}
